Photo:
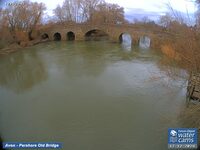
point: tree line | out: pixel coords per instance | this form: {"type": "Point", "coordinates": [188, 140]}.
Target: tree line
{"type": "Point", "coordinates": [92, 11]}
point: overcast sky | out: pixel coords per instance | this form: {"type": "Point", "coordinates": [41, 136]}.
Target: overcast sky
{"type": "Point", "coordinates": [154, 8]}
{"type": "Point", "coordinates": [136, 8]}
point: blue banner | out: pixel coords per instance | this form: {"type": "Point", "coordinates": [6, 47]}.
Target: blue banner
{"type": "Point", "coordinates": [182, 138]}
{"type": "Point", "coordinates": [32, 145]}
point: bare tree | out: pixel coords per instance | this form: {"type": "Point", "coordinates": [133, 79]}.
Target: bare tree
{"type": "Point", "coordinates": [76, 10]}
{"type": "Point", "coordinates": [24, 17]}
{"type": "Point", "coordinates": [60, 14]}
{"type": "Point", "coordinates": [34, 17]}
{"type": "Point", "coordinates": [90, 6]}
{"type": "Point", "coordinates": [108, 13]}
{"type": "Point", "coordinates": [165, 20]}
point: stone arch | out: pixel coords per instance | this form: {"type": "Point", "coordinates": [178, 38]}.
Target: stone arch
{"type": "Point", "coordinates": [44, 36]}
{"type": "Point", "coordinates": [145, 42]}
{"type": "Point", "coordinates": [125, 37]}
{"type": "Point", "coordinates": [96, 35]}
{"type": "Point", "coordinates": [70, 36]}
{"type": "Point", "coordinates": [57, 36]}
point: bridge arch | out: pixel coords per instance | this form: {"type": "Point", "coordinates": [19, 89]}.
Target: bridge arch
{"type": "Point", "coordinates": [145, 42]}
{"type": "Point", "coordinates": [70, 36]}
{"type": "Point", "coordinates": [96, 34]}
{"type": "Point", "coordinates": [57, 36]}
{"type": "Point", "coordinates": [125, 37]}
{"type": "Point", "coordinates": [44, 36]}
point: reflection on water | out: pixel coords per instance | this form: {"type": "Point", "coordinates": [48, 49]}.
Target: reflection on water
{"type": "Point", "coordinates": [126, 47]}
{"type": "Point", "coordinates": [88, 95]}
{"type": "Point", "coordinates": [126, 41]}
{"type": "Point", "coordinates": [21, 71]}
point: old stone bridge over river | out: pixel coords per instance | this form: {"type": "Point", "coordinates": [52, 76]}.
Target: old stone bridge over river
{"type": "Point", "coordinates": [114, 33]}
{"type": "Point", "coordinates": [89, 95]}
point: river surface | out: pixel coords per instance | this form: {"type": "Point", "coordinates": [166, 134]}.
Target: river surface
{"type": "Point", "coordinates": [89, 96]}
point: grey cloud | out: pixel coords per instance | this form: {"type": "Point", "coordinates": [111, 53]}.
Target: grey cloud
{"type": "Point", "coordinates": [138, 13]}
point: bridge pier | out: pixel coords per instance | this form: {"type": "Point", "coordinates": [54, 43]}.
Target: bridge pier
{"type": "Point", "coordinates": [79, 36]}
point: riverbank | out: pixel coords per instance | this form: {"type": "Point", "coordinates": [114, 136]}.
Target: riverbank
{"type": "Point", "coordinates": [15, 46]}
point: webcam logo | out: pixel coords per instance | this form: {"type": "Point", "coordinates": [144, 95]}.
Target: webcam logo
{"type": "Point", "coordinates": [173, 133]}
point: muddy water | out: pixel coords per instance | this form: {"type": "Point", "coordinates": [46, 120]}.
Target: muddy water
{"type": "Point", "coordinates": [89, 96]}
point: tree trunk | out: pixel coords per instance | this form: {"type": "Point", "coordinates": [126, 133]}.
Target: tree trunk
{"type": "Point", "coordinates": [30, 35]}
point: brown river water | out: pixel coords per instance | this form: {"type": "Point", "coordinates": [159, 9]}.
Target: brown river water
{"type": "Point", "coordinates": [89, 96]}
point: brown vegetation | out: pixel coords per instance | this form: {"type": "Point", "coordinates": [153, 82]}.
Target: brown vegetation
{"type": "Point", "coordinates": [18, 22]}
{"type": "Point", "coordinates": [169, 51]}
{"type": "Point", "coordinates": [189, 117]}
{"type": "Point", "coordinates": [184, 44]}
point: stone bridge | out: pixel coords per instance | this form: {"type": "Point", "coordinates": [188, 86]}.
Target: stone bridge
{"type": "Point", "coordinates": [79, 32]}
